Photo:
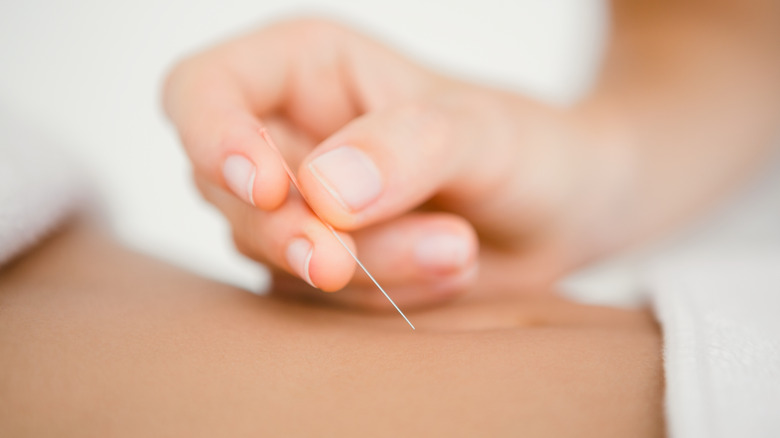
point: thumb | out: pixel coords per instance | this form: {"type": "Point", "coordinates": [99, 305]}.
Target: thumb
{"type": "Point", "coordinates": [381, 165]}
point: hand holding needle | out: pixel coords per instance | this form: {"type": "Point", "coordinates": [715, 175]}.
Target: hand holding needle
{"type": "Point", "coordinates": [294, 180]}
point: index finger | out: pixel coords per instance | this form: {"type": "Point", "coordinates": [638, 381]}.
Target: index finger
{"type": "Point", "coordinates": [216, 100]}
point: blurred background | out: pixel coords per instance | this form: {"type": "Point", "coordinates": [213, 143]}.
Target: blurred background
{"type": "Point", "coordinates": [88, 72]}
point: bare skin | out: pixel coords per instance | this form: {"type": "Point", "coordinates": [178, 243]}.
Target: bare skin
{"type": "Point", "coordinates": [96, 340]}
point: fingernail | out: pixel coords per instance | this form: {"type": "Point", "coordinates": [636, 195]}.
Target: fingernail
{"type": "Point", "coordinates": [442, 252]}
{"type": "Point", "coordinates": [299, 253]}
{"type": "Point", "coordinates": [239, 174]}
{"type": "Point", "coordinates": [349, 175]}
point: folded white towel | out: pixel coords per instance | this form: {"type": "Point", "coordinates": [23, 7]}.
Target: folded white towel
{"type": "Point", "coordinates": [717, 297]}
{"type": "Point", "coordinates": [39, 186]}
{"type": "Point", "coordinates": [720, 315]}
{"type": "Point", "coordinates": [716, 293]}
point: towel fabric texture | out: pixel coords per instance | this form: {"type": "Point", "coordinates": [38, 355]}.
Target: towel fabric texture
{"type": "Point", "coordinates": [717, 297]}
{"type": "Point", "coordinates": [721, 325]}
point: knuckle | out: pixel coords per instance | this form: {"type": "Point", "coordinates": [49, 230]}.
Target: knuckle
{"type": "Point", "coordinates": [312, 28]}
{"type": "Point", "coordinates": [312, 37]}
{"type": "Point", "coordinates": [426, 123]}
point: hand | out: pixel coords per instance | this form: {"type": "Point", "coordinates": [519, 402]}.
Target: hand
{"type": "Point", "coordinates": [437, 184]}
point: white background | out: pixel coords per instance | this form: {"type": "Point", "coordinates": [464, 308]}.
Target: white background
{"type": "Point", "coordinates": [89, 72]}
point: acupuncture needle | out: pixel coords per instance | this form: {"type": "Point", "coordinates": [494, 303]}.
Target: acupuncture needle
{"type": "Point", "coordinates": [267, 137]}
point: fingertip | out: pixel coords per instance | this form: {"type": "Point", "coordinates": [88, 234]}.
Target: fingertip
{"type": "Point", "coordinates": [379, 166]}
{"type": "Point", "coordinates": [299, 254]}
{"type": "Point", "coordinates": [240, 174]}
{"type": "Point", "coordinates": [250, 170]}
{"type": "Point", "coordinates": [433, 255]}
{"type": "Point", "coordinates": [271, 185]}
{"type": "Point", "coordinates": [449, 245]}
{"type": "Point", "coordinates": [332, 188]}
{"type": "Point", "coordinates": [331, 267]}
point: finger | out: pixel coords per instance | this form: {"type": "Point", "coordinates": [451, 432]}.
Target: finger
{"type": "Point", "coordinates": [425, 248]}
{"type": "Point", "coordinates": [419, 259]}
{"type": "Point", "coordinates": [221, 135]}
{"type": "Point", "coordinates": [316, 73]}
{"type": "Point", "coordinates": [383, 164]}
{"type": "Point", "coordinates": [291, 237]}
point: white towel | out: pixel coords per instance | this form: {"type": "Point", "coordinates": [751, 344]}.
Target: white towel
{"type": "Point", "coordinates": [717, 297]}
{"type": "Point", "coordinates": [39, 186]}
{"type": "Point", "coordinates": [720, 314]}
{"type": "Point", "coordinates": [716, 292]}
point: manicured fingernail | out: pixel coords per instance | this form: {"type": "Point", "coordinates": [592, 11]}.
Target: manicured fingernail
{"type": "Point", "coordinates": [239, 174]}
{"type": "Point", "coordinates": [349, 175]}
{"type": "Point", "coordinates": [442, 252]}
{"type": "Point", "coordinates": [299, 253]}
